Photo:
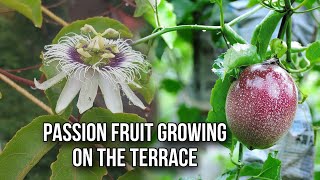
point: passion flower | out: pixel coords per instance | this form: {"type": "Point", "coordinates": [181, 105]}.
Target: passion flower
{"type": "Point", "coordinates": [105, 61]}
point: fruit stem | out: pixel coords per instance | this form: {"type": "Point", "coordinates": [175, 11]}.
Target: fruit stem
{"type": "Point", "coordinates": [239, 160]}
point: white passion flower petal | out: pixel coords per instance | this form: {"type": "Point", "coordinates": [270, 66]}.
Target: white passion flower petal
{"type": "Point", "coordinates": [88, 92]}
{"type": "Point", "coordinates": [131, 96]}
{"type": "Point", "coordinates": [50, 82]}
{"type": "Point", "coordinates": [111, 94]}
{"type": "Point", "coordinates": [69, 92]}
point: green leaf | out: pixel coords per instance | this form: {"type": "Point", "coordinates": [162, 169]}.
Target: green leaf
{"type": "Point", "coordinates": [138, 174]}
{"type": "Point", "coordinates": [263, 32]}
{"type": "Point", "coordinates": [189, 114]}
{"type": "Point", "coordinates": [218, 103]}
{"type": "Point", "coordinates": [171, 85]}
{"type": "Point", "coordinates": [183, 12]}
{"type": "Point", "coordinates": [142, 6]}
{"type": "Point", "coordinates": [251, 169]}
{"type": "Point", "coordinates": [217, 66]}
{"type": "Point", "coordinates": [271, 168]}
{"type": "Point", "coordinates": [316, 124]}
{"type": "Point", "coordinates": [62, 168]}
{"type": "Point", "coordinates": [167, 19]}
{"type": "Point", "coordinates": [148, 87]}
{"type": "Point", "coordinates": [29, 8]}
{"type": "Point", "coordinates": [216, 1]}
{"type": "Point", "coordinates": [148, 91]}
{"type": "Point", "coordinates": [232, 36]}
{"type": "Point", "coordinates": [229, 175]}
{"type": "Point", "coordinates": [53, 93]}
{"type": "Point", "coordinates": [278, 47]}
{"type": "Point", "coordinates": [253, 2]}
{"type": "Point", "coordinates": [133, 175]}
{"type": "Point", "coordinates": [96, 115]}
{"type": "Point", "coordinates": [313, 52]}
{"type": "Point", "coordinates": [25, 149]}
{"type": "Point", "coordinates": [240, 55]}
{"type": "Point", "coordinates": [99, 23]}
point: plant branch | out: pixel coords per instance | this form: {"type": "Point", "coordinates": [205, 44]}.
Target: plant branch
{"type": "Point", "coordinates": [195, 27]}
{"type": "Point", "coordinates": [17, 78]}
{"type": "Point", "coordinates": [221, 14]}
{"type": "Point", "coordinates": [26, 93]}
{"type": "Point", "coordinates": [8, 77]}
{"type": "Point", "coordinates": [53, 16]}
{"type": "Point", "coordinates": [284, 24]}
{"type": "Point", "coordinates": [245, 15]}
{"type": "Point", "coordinates": [176, 28]}
{"type": "Point", "coordinates": [289, 38]}
{"type": "Point", "coordinates": [24, 69]}
{"type": "Point", "coordinates": [157, 13]}
{"type": "Point", "coordinates": [301, 4]}
{"type": "Point", "coordinates": [308, 10]}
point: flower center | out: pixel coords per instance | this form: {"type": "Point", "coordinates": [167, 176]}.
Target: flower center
{"type": "Point", "coordinates": [96, 51]}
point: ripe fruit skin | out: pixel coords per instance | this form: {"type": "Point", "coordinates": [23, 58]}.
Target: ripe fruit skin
{"type": "Point", "coordinates": [261, 105]}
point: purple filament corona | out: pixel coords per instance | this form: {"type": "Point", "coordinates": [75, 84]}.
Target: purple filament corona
{"type": "Point", "coordinates": [113, 62]}
{"type": "Point", "coordinates": [74, 55]}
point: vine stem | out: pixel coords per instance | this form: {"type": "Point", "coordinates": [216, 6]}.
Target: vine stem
{"type": "Point", "coordinates": [300, 5]}
{"type": "Point", "coordinates": [26, 93]}
{"type": "Point", "coordinates": [53, 16]}
{"type": "Point", "coordinates": [195, 27]}
{"type": "Point", "coordinates": [239, 160]}
{"type": "Point", "coordinates": [176, 28]}
{"type": "Point", "coordinates": [157, 13]}
{"type": "Point", "coordinates": [17, 78]}
{"type": "Point", "coordinates": [308, 10]}
{"type": "Point", "coordinates": [245, 15]}
{"type": "Point", "coordinates": [289, 38]}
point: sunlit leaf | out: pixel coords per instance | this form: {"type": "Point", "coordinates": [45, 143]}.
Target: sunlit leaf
{"type": "Point", "coordinates": [263, 32]}
{"type": "Point", "coordinates": [240, 55]}
{"type": "Point", "coordinates": [29, 8]}
{"type": "Point", "coordinates": [167, 18]}
{"type": "Point", "coordinates": [313, 52]}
